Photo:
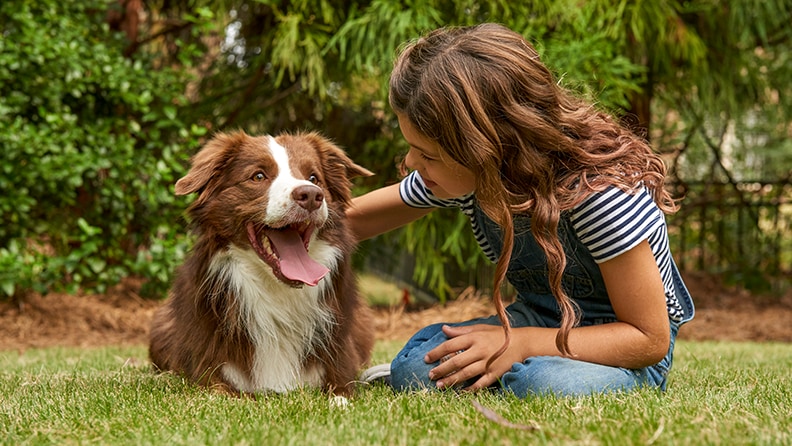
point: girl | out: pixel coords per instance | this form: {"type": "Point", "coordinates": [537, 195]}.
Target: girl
{"type": "Point", "coordinates": [567, 203]}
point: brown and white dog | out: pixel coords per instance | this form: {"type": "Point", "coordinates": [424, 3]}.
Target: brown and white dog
{"type": "Point", "coordinates": [266, 300]}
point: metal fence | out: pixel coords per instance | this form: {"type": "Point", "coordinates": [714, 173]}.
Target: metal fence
{"type": "Point", "coordinates": [742, 230]}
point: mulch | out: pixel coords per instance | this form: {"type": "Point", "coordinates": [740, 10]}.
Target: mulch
{"type": "Point", "coordinates": [122, 317]}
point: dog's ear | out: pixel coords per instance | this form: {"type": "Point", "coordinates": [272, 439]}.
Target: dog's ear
{"type": "Point", "coordinates": [337, 165]}
{"type": "Point", "coordinates": [336, 159]}
{"type": "Point", "coordinates": [209, 160]}
{"type": "Point", "coordinates": [355, 170]}
{"type": "Point", "coordinates": [195, 179]}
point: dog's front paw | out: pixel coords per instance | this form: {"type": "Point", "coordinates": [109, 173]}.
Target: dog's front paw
{"type": "Point", "coordinates": [339, 401]}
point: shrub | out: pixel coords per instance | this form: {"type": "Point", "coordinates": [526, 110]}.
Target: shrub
{"type": "Point", "coordinates": [91, 142]}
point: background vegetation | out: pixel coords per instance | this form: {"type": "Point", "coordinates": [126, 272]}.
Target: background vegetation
{"type": "Point", "coordinates": [103, 101]}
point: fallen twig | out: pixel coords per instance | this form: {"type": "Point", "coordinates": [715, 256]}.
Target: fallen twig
{"type": "Point", "coordinates": [493, 416]}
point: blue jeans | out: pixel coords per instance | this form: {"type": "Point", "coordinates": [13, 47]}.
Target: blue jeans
{"type": "Point", "coordinates": [540, 375]}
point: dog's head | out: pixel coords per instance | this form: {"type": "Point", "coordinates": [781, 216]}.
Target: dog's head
{"type": "Point", "coordinates": [273, 193]}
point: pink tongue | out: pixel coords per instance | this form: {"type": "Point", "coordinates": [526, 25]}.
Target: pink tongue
{"type": "Point", "coordinates": [295, 263]}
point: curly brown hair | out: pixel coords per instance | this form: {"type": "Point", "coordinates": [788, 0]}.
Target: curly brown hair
{"type": "Point", "coordinates": [483, 94]}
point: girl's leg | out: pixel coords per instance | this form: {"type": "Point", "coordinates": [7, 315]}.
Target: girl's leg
{"type": "Point", "coordinates": [553, 375]}
{"type": "Point", "coordinates": [542, 375]}
{"type": "Point", "coordinates": [410, 372]}
{"type": "Point", "coordinates": [408, 369]}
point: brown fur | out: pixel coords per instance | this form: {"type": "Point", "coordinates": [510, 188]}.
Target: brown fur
{"type": "Point", "coordinates": [199, 329]}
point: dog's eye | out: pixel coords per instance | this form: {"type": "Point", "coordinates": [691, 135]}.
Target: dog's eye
{"type": "Point", "coordinates": [258, 176]}
{"type": "Point", "coordinates": [313, 179]}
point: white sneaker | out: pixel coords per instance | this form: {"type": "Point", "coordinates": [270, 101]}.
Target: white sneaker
{"type": "Point", "coordinates": [377, 373]}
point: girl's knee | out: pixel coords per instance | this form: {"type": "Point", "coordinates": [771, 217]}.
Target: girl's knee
{"type": "Point", "coordinates": [409, 371]}
{"type": "Point", "coordinates": [425, 334]}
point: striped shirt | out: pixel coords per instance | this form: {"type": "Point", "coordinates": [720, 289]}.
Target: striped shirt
{"type": "Point", "coordinates": [608, 223]}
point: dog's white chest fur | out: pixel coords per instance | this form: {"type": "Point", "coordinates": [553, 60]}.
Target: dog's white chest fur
{"type": "Point", "coordinates": [283, 323]}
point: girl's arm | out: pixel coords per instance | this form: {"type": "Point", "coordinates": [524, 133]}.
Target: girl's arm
{"type": "Point", "coordinates": [639, 338]}
{"type": "Point", "coordinates": [380, 211]}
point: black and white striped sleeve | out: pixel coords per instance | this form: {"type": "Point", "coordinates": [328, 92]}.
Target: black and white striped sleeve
{"type": "Point", "coordinates": [613, 221]}
{"type": "Point", "coordinates": [415, 194]}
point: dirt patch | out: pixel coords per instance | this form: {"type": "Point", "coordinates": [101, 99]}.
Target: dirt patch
{"type": "Point", "coordinates": [121, 317]}
{"type": "Point", "coordinates": [734, 314]}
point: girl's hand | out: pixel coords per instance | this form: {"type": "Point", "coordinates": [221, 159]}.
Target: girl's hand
{"type": "Point", "coordinates": [466, 353]}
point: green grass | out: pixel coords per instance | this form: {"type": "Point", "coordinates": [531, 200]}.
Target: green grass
{"type": "Point", "coordinates": [720, 393]}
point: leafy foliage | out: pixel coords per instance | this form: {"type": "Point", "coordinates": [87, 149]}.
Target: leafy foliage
{"type": "Point", "coordinates": [698, 77]}
{"type": "Point", "coordinates": [91, 141]}
{"type": "Point", "coordinates": [97, 124]}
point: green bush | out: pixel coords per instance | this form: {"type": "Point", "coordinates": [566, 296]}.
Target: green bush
{"type": "Point", "coordinates": [91, 142]}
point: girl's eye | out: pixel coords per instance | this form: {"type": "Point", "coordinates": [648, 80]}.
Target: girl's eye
{"type": "Point", "coordinates": [258, 176]}
{"type": "Point", "coordinates": [426, 158]}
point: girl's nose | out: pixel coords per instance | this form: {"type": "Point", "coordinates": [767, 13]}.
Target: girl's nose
{"type": "Point", "coordinates": [410, 159]}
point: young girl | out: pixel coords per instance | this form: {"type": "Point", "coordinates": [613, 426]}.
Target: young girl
{"type": "Point", "coordinates": [569, 204]}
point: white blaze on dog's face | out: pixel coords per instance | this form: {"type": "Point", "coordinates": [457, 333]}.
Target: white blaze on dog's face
{"type": "Point", "coordinates": [295, 208]}
{"type": "Point", "coordinates": [282, 204]}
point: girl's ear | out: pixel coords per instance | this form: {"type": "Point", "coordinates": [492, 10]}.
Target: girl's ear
{"type": "Point", "coordinates": [207, 162]}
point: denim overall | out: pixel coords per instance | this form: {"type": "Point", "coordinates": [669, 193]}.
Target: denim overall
{"type": "Point", "coordinates": [535, 306]}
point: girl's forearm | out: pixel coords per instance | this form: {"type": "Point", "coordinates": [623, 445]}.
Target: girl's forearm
{"type": "Point", "coordinates": [615, 344]}
{"type": "Point", "coordinates": [380, 211]}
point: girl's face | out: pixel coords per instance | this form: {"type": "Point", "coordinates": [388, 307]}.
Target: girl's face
{"type": "Point", "coordinates": [443, 176]}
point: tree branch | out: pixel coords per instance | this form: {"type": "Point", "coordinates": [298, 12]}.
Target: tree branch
{"type": "Point", "coordinates": [133, 47]}
{"type": "Point", "coordinates": [248, 92]}
{"type": "Point", "coordinates": [715, 148]}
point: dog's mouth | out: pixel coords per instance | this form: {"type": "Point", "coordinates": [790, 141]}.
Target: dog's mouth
{"type": "Point", "coordinates": [285, 250]}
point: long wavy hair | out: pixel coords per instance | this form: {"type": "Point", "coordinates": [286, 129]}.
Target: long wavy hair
{"type": "Point", "coordinates": [535, 148]}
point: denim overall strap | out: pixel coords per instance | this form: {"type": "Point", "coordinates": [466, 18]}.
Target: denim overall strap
{"type": "Point", "coordinates": [527, 272]}
{"type": "Point", "coordinates": [682, 294]}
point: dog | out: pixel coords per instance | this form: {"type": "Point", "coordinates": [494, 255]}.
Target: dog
{"type": "Point", "coordinates": [266, 300]}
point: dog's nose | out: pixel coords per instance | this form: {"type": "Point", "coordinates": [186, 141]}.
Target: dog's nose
{"type": "Point", "coordinates": [309, 197]}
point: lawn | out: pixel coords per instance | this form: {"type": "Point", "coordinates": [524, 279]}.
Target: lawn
{"type": "Point", "coordinates": [720, 393]}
